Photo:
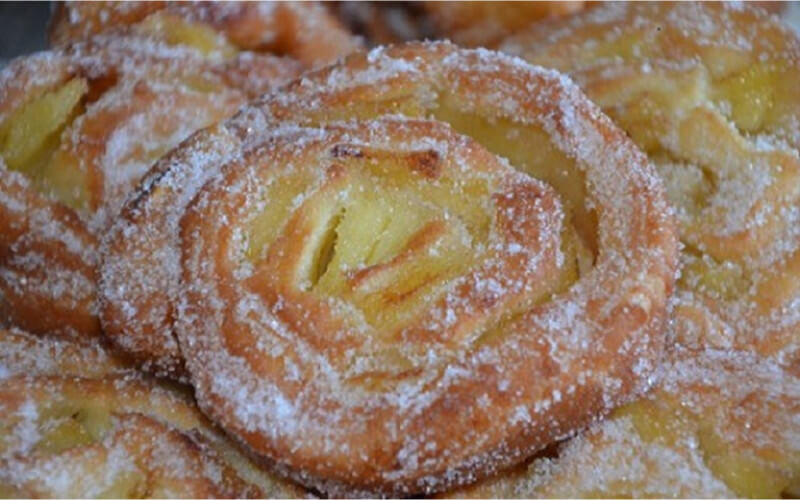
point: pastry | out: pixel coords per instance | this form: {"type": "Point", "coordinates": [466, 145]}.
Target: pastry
{"type": "Point", "coordinates": [302, 30]}
{"type": "Point", "coordinates": [119, 437]}
{"type": "Point", "coordinates": [127, 463]}
{"type": "Point", "coordinates": [720, 424]}
{"type": "Point", "coordinates": [406, 272]}
{"type": "Point", "coordinates": [78, 128]}
{"type": "Point", "coordinates": [484, 24]}
{"type": "Point", "coordinates": [77, 421]}
{"type": "Point", "coordinates": [615, 274]}
{"type": "Point", "coordinates": [710, 92]}
{"type": "Point", "coordinates": [376, 277]}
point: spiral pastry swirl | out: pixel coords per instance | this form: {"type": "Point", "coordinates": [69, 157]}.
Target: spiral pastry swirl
{"type": "Point", "coordinates": [366, 280]}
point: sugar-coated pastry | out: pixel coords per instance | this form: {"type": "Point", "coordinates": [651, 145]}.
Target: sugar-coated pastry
{"type": "Point", "coordinates": [118, 436]}
{"type": "Point", "coordinates": [300, 317]}
{"type": "Point", "coordinates": [78, 128]}
{"type": "Point", "coordinates": [711, 92]}
{"type": "Point", "coordinates": [77, 421]}
{"type": "Point", "coordinates": [484, 24]}
{"type": "Point", "coordinates": [305, 31]}
{"type": "Point", "coordinates": [719, 424]}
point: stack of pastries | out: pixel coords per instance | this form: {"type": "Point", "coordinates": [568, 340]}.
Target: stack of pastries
{"type": "Point", "coordinates": [243, 256]}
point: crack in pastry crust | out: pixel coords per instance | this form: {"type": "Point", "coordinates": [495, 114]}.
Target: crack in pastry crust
{"type": "Point", "coordinates": [636, 254]}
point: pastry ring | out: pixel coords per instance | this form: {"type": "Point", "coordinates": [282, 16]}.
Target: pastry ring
{"type": "Point", "coordinates": [408, 419]}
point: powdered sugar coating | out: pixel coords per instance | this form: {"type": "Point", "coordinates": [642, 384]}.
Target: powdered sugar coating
{"type": "Point", "coordinates": [141, 263]}
{"type": "Point", "coordinates": [57, 278]}
{"type": "Point", "coordinates": [362, 350]}
{"type": "Point", "coordinates": [122, 465]}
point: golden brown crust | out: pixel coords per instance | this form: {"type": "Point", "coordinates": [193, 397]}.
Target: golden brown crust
{"type": "Point", "coordinates": [409, 80]}
{"type": "Point", "coordinates": [484, 24]}
{"type": "Point", "coordinates": [122, 437]}
{"type": "Point", "coordinates": [133, 101]}
{"type": "Point", "coordinates": [710, 92]}
{"type": "Point", "coordinates": [138, 240]}
{"type": "Point", "coordinates": [302, 30]}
